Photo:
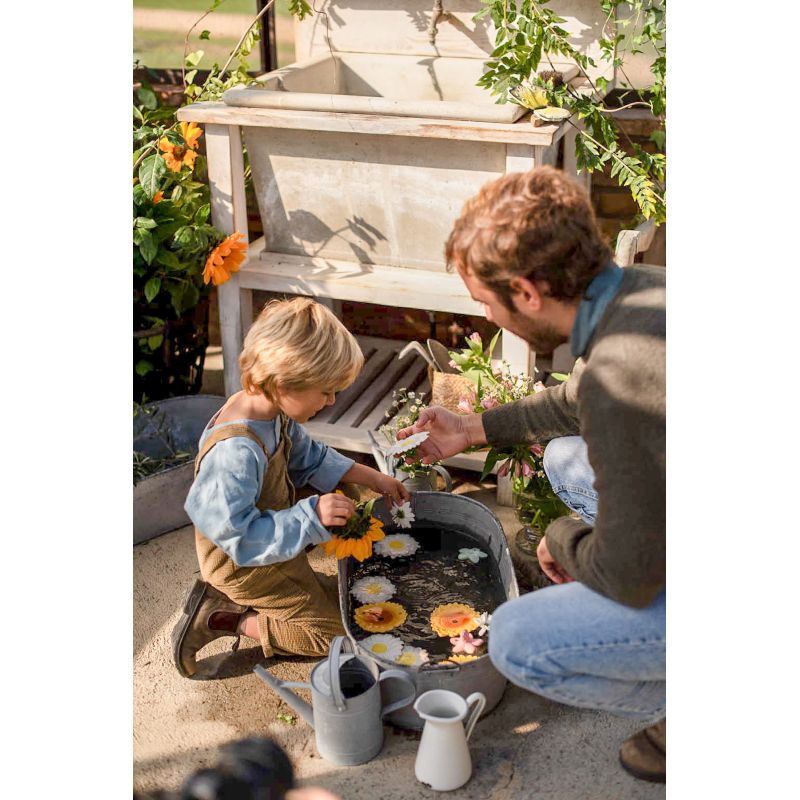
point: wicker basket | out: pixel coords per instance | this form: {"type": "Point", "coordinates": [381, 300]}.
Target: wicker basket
{"type": "Point", "coordinates": [448, 389]}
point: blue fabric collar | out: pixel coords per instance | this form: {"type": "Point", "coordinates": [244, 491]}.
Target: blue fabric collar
{"type": "Point", "coordinates": [597, 296]}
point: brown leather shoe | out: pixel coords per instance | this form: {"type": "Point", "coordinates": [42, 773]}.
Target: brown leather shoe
{"type": "Point", "coordinates": [644, 754]}
{"type": "Point", "coordinates": [207, 615]}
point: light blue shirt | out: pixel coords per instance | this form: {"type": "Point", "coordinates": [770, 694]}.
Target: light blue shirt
{"type": "Point", "coordinates": [222, 499]}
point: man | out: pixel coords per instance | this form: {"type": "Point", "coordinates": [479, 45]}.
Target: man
{"type": "Point", "coordinates": [529, 249]}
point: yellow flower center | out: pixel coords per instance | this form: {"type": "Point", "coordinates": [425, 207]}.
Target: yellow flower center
{"type": "Point", "coordinates": [373, 588]}
{"type": "Point", "coordinates": [395, 545]}
{"type": "Point", "coordinates": [407, 659]}
{"type": "Point", "coordinates": [379, 647]}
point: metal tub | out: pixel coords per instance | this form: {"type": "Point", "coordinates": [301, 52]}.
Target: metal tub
{"type": "Point", "coordinates": [476, 520]}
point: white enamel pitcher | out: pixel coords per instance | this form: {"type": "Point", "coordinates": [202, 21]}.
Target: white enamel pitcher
{"type": "Point", "coordinates": [443, 760]}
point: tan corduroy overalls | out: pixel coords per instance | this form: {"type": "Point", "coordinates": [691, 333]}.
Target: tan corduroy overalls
{"type": "Point", "coordinates": [297, 609]}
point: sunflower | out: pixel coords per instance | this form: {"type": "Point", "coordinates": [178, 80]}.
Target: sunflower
{"type": "Point", "coordinates": [380, 617]}
{"type": "Point", "coordinates": [452, 618]}
{"type": "Point", "coordinates": [225, 259]}
{"type": "Point", "coordinates": [459, 659]}
{"type": "Point", "coordinates": [355, 538]}
{"type": "Point", "coordinates": [177, 156]}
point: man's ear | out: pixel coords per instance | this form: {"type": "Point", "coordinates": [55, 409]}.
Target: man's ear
{"type": "Point", "coordinates": [527, 296]}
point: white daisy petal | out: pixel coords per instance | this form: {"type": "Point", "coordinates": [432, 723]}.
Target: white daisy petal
{"type": "Point", "coordinates": [413, 657]}
{"type": "Point", "coordinates": [484, 622]}
{"type": "Point", "coordinates": [402, 515]}
{"type": "Point", "coordinates": [373, 589]}
{"type": "Point", "coordinates": [383, 645]}
{"type": "Point", "coordinates": [396, 545]}
{"type": "Point", "coordinates": [411, 442]}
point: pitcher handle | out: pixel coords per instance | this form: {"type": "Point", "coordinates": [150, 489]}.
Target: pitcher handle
{"type": "Point", "coordinates": [448, 482]}
{"type": "Point", "coordinates": [339, 643]}
{"type": "Point", "coordinates": [397, 673]}
{"type": "Point", "coordinates": [479, 699]}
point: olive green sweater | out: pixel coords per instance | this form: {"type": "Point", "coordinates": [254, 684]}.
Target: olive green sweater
{"type": "Point", "coordinates": [615, 398]}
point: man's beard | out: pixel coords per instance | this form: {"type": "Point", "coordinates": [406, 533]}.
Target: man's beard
{"type": "Point", "coordinates": [543, 338]}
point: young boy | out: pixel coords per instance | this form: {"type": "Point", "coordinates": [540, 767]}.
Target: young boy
{"type": "Point", "coordinates": [252, 531]}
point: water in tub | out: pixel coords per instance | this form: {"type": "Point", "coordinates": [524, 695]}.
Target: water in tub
{"type": "Point", "coordinates": [433, 576]}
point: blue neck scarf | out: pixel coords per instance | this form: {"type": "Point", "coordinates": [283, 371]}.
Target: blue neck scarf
{"type": "Point", "coordinates": [597, 296]}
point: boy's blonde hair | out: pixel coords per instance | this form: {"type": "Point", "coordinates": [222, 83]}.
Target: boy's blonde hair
{"type": "Point", "coordinates": [298, 344]}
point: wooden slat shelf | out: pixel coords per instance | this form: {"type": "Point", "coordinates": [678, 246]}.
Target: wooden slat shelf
{"type": "Point", "coordinates": [348, 280]}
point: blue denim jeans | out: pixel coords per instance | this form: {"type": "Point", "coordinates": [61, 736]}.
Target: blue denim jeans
{"type": "Point", "coordinates": [570, 644]}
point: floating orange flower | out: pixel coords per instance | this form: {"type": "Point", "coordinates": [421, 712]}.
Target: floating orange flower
{"type": "Point", "coordinates": [158, 197]}
{"type": "Point", "coordinates": [452, 618]}
{"type": "Point", "coordinates": [380, 617]}
{"type": "Point", "coordinates": [177, 156]}
{"type": "Point", "coordinates": [225, 259]}
{"type": "Point", "coordinates": [459, 659]}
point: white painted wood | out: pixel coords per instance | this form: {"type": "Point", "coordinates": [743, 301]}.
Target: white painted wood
{"type": "Point", "coordinates": [347, 280]}
{"type": "Point", "coordinates": [519, 157]}
{"type": "Point", "coordinates": [505, 496]}
{"type": "Point", "coordinates": [521, 359]}
{"type": "Point", "coordinates": [627, 247]}
{"type": "Point", "coordinates": [246, 306]}
{"type": "Point", "coordinates": [226, 180]}
{"type": "Point", "coordinates": [546, 154]}
{"type": "Point", "coordinates": [584, 177]}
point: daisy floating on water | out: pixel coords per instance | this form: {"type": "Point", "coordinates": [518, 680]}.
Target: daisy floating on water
{"type": "Point", "coordinates": [380, 617]}
{"type": "Point", "coordinates": [373, 590]}
{"type": "Point", "coordinates": [413, 657]}
{"type": "Point", "coordinates": [397, 545]}
{"type": "Point", "coordinates": [459, 659]}
{"type": "Point", "coordinates": [465, 642]}
{"type": "Point", "coordinates": [452, 618]}
{"type": "Point", "coordinates": [384, 645]}
{"type": "Point", "coordinates": [472, 554]}
{"type": "Point", "coordinates": [402, 515]}
{"type": "Point", "coordinates": [483, 622]}
{"type": "Point", "coordinates": [403, 445]}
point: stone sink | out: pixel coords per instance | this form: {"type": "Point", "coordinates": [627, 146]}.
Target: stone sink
{"type": "Point", "coordinates": [385, 84]}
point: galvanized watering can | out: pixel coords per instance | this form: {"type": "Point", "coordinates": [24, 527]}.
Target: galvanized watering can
{"type": "Point", "coordinates": [346, 711]}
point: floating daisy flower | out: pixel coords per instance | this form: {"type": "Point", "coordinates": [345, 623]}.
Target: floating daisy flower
{"type": "Point", "coordinates": [380, 617]}
{"type": "Point", "coordinates": [384, 645]}
{"type": "Point", "coordinates": [409, 443]}
{"type": "Point", "coordinates": [465, 642]}
{"type": "Point", "coordinates": [397, 545]}
{"type": "Point", "coordinates": [373, 590]}
{"type": "Point", "coordinates": [413, 657]}
{"type": "Point", "coordinates": [472, 554]}
{"type": "Point", "coordinates": [452, 618]}
{"type": "Point", "coordinates": [402, 515]}
{"type": "Point", "coordinates": [483, 622]}
{"type": "Point", "coordinates": [459, 659]}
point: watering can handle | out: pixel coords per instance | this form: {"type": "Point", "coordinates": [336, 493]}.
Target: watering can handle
{"type": "Point", "coordinates": [404, 701]}
{"type": "Point", "coordinates": [448, 483]}
{"type": "Point", "coordinates": [479, 699]}
{"type": "Point", "coordinates": [339, 643]}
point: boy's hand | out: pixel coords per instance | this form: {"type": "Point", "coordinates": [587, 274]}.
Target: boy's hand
{"type": "Point", "coordinates": [334, 509]}
{"type": "Point", "coordinates": [392, 490]}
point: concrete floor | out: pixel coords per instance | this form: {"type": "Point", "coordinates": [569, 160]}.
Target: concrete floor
{"type": "Point", "coordinates": [528, 747]}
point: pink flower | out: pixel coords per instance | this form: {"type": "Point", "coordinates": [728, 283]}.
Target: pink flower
{"type": "Point", "coordinates": [464, 405]}
{"type": "Point", "coordinates": [503, 471]}
{"type": "Point", "coordinates": [453, 364]}
{"type": "Point", "coordinates": [517, 470]}
{"type": "Point", "coordinates": [489, 402]}
{"type": "Point", "coordinates": [476, 337]}
{"type": "Point", "coordinates": [538, 387]}
{"type": "Point", "coordinates": [527, 470]}
{"type": "Point", "coordinates": [465, 642]}
{"type": "Point", "coordinates": [537, 450]}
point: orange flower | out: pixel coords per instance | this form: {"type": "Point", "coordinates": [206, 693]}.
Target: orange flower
{"type": "Point", "coordinates": [179, 155]}
{"type": "Point", "coordinates": [358, 548]}
{"type": "Point", "coordinates": [380, 617]}
{"type": "Point", "coordinates": [452, 618]}
{"type": "Point", "coordinates": [459, 659]}
{"type": "Point", "coordinates": [158, 197]}
{"type": "Point", "coordinates": [225, 259]}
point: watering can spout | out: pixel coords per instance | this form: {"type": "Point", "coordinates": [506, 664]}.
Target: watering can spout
{"type": "Point", "coordinates": [283, 690]}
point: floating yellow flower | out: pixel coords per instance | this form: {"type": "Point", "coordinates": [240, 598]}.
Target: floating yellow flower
{"type": "Point", "coordinates": [177, 156]}
{"type": "Point", "coordinates": [225, 259]}
{"type": "Point", "coordinates": [459, 659]}
{"type": "Point", "coordinates": [452, 618]}
{"type": "Point", "coordinates": [380, 617]}
{"type": "Point", "coordinates": [355, 538]}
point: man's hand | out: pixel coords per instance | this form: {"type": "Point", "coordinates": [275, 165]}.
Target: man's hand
{"type": "Point", "coordinates": [392, 490]}
{"type": "Point", "coordinates": [450, 433]}
{"type": "Point", "coordinates": [334, 510]}
{"type": "Point", "coordinates": [550, 566]}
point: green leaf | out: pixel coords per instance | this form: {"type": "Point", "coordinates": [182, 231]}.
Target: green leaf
{"type": "Point", "coordinates": [488, 465]}
{"type": "Point", "coordinates": [152, 288]}
{"type": "Point", "coordinates": [154, 342]}
{"type": "Point", "coordinates": [147, 246]}
{"type": "Point", "coordinates": [193, 59]}
{"type": "Point", "coordinates": [494, 342]}
{"type": "Point", "coordinates": [144, 222]}
{"type": "Point", "coordinates": [168, 259]}
{"type": "Point", "coordinates": [151, 171]}
{"type": "Point", "coordinates": [143, 367]}
{"type": "Point", "coordinates": [190, 75]}
{"type": "Point", "coordinates": [147, 97]}
{"type": "Point", "coordinates": [205, 35]}
{"type": "Point", "coordinates": [202, 213]}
